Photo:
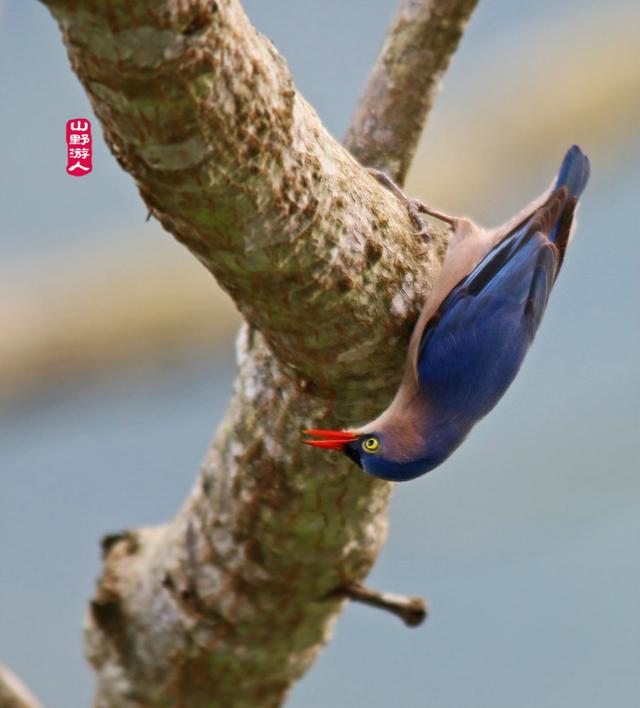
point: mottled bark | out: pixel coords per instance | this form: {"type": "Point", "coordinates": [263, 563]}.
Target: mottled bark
{"type": "Point", "coordinates": [405, 81]}
{"type": "Point", "coordinates": [13, 693]}
{"type": "Point", "coordinates": [229, 603]}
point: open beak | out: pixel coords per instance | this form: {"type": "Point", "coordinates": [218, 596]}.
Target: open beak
{"type": "Point", "coordinates": [330, 439]}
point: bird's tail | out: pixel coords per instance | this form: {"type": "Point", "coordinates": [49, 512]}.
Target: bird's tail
{"type": "Point", "coordinates": [570, 183]}
{"type": "Point", "coordinates": [574, 172]}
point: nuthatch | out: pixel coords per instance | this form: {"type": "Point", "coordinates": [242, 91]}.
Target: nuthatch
{"type": "Point", "coordinates": [472, 334]}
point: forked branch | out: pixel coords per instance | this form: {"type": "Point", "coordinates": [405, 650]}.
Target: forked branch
{"type": "Point", "coordinates": [227, 604]}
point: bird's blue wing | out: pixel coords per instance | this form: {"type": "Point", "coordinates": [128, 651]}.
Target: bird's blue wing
{"type": "Point", "coordinates": [472, 348]}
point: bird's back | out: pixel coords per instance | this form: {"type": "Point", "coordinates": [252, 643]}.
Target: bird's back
{"type": "Point", "coordinates": [471, 348]}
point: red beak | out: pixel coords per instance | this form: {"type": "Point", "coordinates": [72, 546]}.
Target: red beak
{"type": "Point", "coordinates": [333, 439]}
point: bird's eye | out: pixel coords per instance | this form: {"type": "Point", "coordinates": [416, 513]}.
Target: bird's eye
{"type": "Point", "coordinates": [371, 444]}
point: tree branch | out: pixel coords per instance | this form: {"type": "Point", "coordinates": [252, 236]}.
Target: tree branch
{"type": "Point", "coordinates": [405, 81]}
{"type": "Point", "coordinates": [13, 693]}
{"type": "Point", "coordinates": [201, 110]}
{"type": "Point", "coordinates": [411, 610]}
{"type": "Point", "coordinates": [230, 602]}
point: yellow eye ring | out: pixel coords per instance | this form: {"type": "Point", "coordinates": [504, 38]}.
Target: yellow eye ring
{"type": "Point", "coordinates": [371, 445]}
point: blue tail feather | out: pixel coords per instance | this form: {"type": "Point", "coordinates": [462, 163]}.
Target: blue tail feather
{"type": "Point", "coordinates": [574, 172]}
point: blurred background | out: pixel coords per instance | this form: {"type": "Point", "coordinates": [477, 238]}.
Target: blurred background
{"type": "Point", "coordinates": [116, 361]}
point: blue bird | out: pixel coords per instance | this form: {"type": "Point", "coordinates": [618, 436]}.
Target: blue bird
{"type": "Point", "coordinates": [472, 334]}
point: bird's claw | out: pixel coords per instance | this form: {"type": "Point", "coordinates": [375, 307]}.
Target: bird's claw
{"type": "Point", "coordinates": [422, 228]}
{"type": "Point", "coordinates": [413, 205]}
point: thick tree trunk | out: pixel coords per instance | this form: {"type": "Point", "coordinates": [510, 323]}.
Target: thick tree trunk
{"type": "Point", "coordinates": [229, 603]}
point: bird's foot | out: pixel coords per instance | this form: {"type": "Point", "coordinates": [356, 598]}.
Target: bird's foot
{"type": "Point", "coordinates": [422, 228]}
{"type": "Point", "coordinates": [440, 215]}
{"type": "Point", "coordinates": [412, 205]}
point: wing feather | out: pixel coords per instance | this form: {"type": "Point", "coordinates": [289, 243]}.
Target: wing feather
{"type": "Point", "coordinates": [473, 346]}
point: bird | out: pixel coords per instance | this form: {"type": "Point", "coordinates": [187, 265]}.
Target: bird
{"type": "Point", "coordinates": [473, 331]}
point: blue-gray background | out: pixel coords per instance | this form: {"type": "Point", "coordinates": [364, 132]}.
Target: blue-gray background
{"type": "Point", "coordinates": [525, 543]}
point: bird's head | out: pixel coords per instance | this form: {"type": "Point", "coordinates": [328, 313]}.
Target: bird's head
{"type": "Point", "coordinates": [373, 454]}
